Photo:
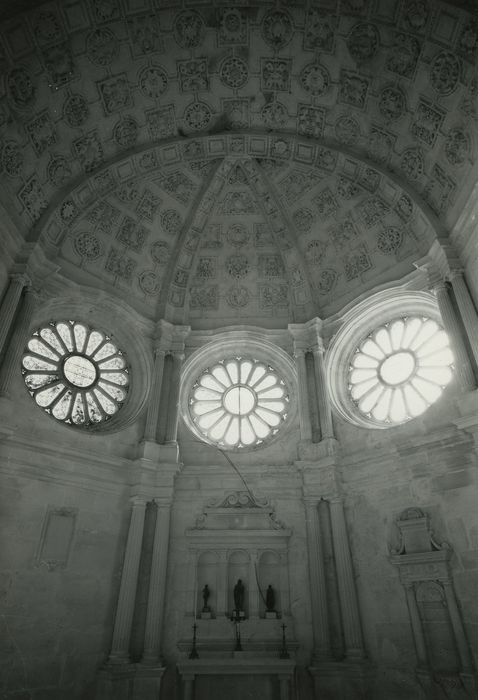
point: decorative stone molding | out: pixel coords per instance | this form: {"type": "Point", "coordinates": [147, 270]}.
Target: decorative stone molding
{"type": "Point", "coordinates": [425, 572]}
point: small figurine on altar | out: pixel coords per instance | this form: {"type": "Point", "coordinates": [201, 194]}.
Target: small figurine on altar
{"type": "Point", "coordinates": [270, 599]}
{"type": "Point", "coordinates": [205, 596]}
{"type": "Point", "coordinates": [239, 591]}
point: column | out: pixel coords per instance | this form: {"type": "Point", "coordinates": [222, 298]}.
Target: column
{"type": "Point", "coordinates": [467, 309]}
{"type": "Point", "coordinates": [173, 408]}
{"type": "Point", "coordinates": [188, 687]}
{"type": "Point", "coordinates": [325, 413]}
{"type": "Point", "coordinates": [458, 629]}
{"type": "Point", "coordinates": [305, 427]}
{"type": "Point", "coordinates": [13, 355]}
{"type": "Point", "coordinates": [417, 627]}
{"type": "Point", "coordinates": [284, 687]}
{"type": "Point", "coordinates": [463, 367]}
{"type": "Point", "coordinates": [253, 586]}
{"type": "Point", "coordinates": [10, 304]}
{"type": "Point", "coordinates": [157, 585]}
{"type": "Point", "coordinates": [318, 595]}
{"type": "Point", "coordinates": [129, 580]}
{"type": "Point", "coordinates": [150, 431]}
{"type": "Point", "coordinates": [354, 647]}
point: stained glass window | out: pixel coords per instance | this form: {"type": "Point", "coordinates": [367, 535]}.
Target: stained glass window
{"type": "Point", "coordinates": [76, 374]}
{"type": "Point", "coordinates": [238, 402]}
{"type": "Point", "coordinates": [400, 369]}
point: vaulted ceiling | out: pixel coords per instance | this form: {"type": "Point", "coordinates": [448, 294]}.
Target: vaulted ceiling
{"type": "Point", "coordinates": [250, 161]}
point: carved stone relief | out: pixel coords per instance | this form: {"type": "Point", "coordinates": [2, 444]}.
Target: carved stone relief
{"type": "Point", "coordinates": [277, 29]}
{"type": "Point", "coordinates": [389, 240]}
{"type": "Point", "coordinates": [270, 266]}
{"type": "Point", "coordinates": [75, 110]}
{"type": "Point", "coordinates": [426, 123]}
{"type": "Point", "coordinates": [237, 265]}
{"type": "Point", "coordinates": [160, 252]}
{"type": "Point", "coordinates": [12, 158]}
{"type": "Point", "coordinates": [445, 72]}
{"type": "Point", "coordinates": [197, 116]}
{"type": "Point", "coordinates": [356, 262]}
{"type": "Point", "coordinates": [193, 75]}
{"type": "Point", "coordinates": [171, 221]}
{"type": "Point", "coordinates": [161, 122]}
{"type": "Point", "coordinates": [275, 74]}
{"type": "Point", "coordinates": [189, 29]}
{"type": "Point", "coordinates": [125, 132]}
{"type": "Point", "coordinates": [120, 265]}
{"type": "Point", "coordinates": [204, 297]}
{"type": "Point", "coordinates": [59, 170]}
{"type": "Point", "coordinates": [273, 296]}
{"type": "Point", "coordinates": [363, 42]}
{"type": "Point", "coordinates": [145, 34]}
{"type": "Point", "coordinates": [149, 282]}
{"type": "Point", "coordinates": [315, 79]}
{"type": "Point", "coordinates": [153, 81]}
{"type": "Point", "coordinates": [21, 88]}
{"type": "Point", "coordinates": [102, 46]}
{"type": "Point", "coordinates": [115, 93]}
{"type": "Point", "coordinates": [233, 72]}
{"type": "Point", "coordinates": [274, 114]}
{"type": "Point", "coordinates": [319, 30]}
{"type": "Point", "coordinates": [392, 103]}
{"type": "Point", "coordinates": [131, 234]}
{"type": "Point", "coordinates": [404, 55]}
{"type": "Point", "coordinates": [237, 297]}
{"type": "Point", "coordinates": [310, 120]}
{"type": "Point", "coordinates": [232, 28]}
{"type": "Point", "coordinates": [87, 246]}
{"type": "Point", "coordinates": [353, 89]}
{"type": "Point", "coordinates": [89, 151]}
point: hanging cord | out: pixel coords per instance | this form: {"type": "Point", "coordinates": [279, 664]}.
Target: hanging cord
{"type": "Point", "coordinates": [229, 460]}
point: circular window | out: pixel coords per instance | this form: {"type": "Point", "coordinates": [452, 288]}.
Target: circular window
{"type": "Point", "coordinates": [76, 374]}
{"type": "Point", "coordinates": [400, 369]}
{"type": "Point", "coordinates": [238, 402]}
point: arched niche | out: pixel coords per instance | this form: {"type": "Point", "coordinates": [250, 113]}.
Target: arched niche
{"type": "Point", "coordinates": [437, 627]}
{"type": "Point", "coordinates": [206, 574]}
{"type": "Point", "coordinates": [269, 574]}
{"type": "Point", "coordinates": [238, 565]}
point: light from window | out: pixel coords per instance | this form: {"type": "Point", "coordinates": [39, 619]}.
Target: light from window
{"type": "Point", "coordinates": [238, 403]}
{"type": "Point", "coordinates": [76, 374]}
{"type": "Point", "coordinates": [400, 369]}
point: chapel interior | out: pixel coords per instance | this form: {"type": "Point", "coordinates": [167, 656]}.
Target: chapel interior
{"type": "Point", "coordinates": [238, 349]}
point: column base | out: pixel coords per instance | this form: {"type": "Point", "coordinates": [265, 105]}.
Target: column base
{"type": "Point", "coordinates": [342, 679]}
{"type": "Point", "coordinates": [129, 682]}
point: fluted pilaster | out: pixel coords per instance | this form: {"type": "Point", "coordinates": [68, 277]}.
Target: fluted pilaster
{"type": "Point", "coordinates": [157, 585]}
{"type": "Point", "coordinates": [417, 627]}
{"type": "Point", "coordinates": [173, 408]}
{"type": "Point", "coordinates": [320, 622]}
{"type": "Point", "coordinates": [10, 304]}
{"type": "Point", "coordinates": [467, 310]}
{"type": "Point", "coordinates": [129, 581]}
{"type": "Point", "coordinates": [458, 629]}
{"type": "Point", "coordinates": [463, 367]}
{"type": "Point", "coordinates": [325, 412]}
{"type": "Point", "coordinates": [13, 355]}
{"type": "Point", "coordinates": [352, 629]}
{"type": "Point", "coordinates": [304, 414]}
{"type": "Point", "coordinates": [151, 428]}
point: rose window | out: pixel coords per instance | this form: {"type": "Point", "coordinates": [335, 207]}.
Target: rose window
{"type": "Point", "coordinates": [400, 369]}
{"type": "Point", "coordinates": [76, 374]}
{"type": "Point", "coordinates": [238, 403]}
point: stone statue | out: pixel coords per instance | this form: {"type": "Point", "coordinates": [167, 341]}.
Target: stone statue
{"type": "Point", "coordinates": [270, 599]}
{"type": "Point", "coordinates": [205, 596]}
{"type": "Point", "coordinates": [239, 596]}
